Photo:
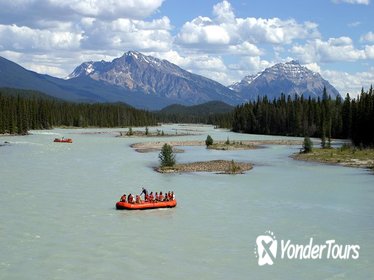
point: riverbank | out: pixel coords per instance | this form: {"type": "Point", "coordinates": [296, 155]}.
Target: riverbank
{"type": "Point", "coordinates": [352, 157]}
{"type": "Point", "coordinates": [239, 145]}
{"type": "Point", "coordinates": [219, 166]}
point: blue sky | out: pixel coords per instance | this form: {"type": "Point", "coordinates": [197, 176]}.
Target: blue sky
{"type": "Point", "coordinates": [223, 40]}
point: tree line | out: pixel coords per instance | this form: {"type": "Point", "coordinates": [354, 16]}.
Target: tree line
{"type": "Point", "coordinates": [324, 118]}
{"type": "Point", "coordinates": [20, 114]}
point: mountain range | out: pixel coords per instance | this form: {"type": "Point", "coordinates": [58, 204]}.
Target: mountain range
{"type": "Point", "coordinates": [148, 82]}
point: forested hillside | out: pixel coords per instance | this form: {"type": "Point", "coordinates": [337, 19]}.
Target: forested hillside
{"type": "Point", "coordinates": [21, 111]}
{"type": "Point", "coordinates": [351, 118]}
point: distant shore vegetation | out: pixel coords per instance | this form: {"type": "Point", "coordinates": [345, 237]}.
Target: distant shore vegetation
{"type": "Point", "coordinates": [323, 118]}
{"type": "Point", "coordinates": [21, 111]}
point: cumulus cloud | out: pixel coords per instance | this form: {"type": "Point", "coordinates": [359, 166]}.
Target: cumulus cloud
{"type": "Point", "coordinates": [275, 30]}
{"type": "Point", "coordinates": [27, 39]}
{"type": "Point", "coordinates": [110, 8]}
{"type": "Point", "coordinates": [350, 82]}
{"type": "Point", "coordinates": [360, 2]}
{"type": "Point", "coordinates": [128, 34]}
{"type": "Point", "coordinates": [226, 29]}
{"type": "Point", "coordinates": [368, 37]}
{"type": "Point", "coordinates": [78, 30]}
{"type": "Point", "coordinates": [202, 31]}
{"type": "Point", "coordinates": [223, 12]}
{"type": "Point", "coordinates": [332, 50]}
{"type": "Point", "coordinates": [29, 12]}
{"type": "Point", "coordinates": [245, 48]}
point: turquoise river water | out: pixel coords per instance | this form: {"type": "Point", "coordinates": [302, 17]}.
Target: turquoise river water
{"type": "Point", "coordinates": [58, 217]}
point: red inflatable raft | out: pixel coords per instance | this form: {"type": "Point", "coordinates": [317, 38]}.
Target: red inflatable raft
{"type": "Point", "coordinates": [63, 140]}
{"type": "Point", "coordinates": [145, 205]}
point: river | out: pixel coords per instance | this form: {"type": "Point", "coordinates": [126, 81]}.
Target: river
{"type": "Point", "coordinates": [58, 217]}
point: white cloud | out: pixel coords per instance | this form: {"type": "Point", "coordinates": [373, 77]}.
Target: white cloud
{"type": "Point", "coordinates": [349, 83]}
{"type": "Point", "coordinates": [314, 67]}
{"type": "Point", "coordinates": [226, 29]}
{"type": "Point", "coordinates": [275, 30]}
{"type": "Point", "coordinates": [122, 34]}
{"type": "Point", "coordinates": [29, 40]}
{"type": "Point", "coordinates": [368, 37]}
{"type": "Point", "coordinates": [245, 48]}
{"type": "Point", "coordinates": [360, 2]}
{"type": "Point", "coordinates": [224, 12]}
{"type": "Point", "coordinates": [332, 50]}
{"type": "Point", "coordinates": [369, 52]}
{"type": "Point", "coordinates": [28, 11]}
{"type": "Point", "coordinates": [111, 8]}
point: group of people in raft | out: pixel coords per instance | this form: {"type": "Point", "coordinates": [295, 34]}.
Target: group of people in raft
{"type": "Point", "coordinates": [157, 197]}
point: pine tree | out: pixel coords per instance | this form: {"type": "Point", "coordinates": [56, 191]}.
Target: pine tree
{"type": "Point", "coordinates": [307, 145]}
{"type": "Point", "coordinates": [323, 139]}
{"type": "Point", "coordinates": [208, 141]}
{"type": "Point", "coordinates": [166, 156]}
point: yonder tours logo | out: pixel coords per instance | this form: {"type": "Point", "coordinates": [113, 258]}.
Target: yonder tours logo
{"type": "Point", "coordinates": [267, 251]}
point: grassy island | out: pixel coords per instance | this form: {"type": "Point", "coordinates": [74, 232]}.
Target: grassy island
{"type": "Point", "coordinates": [346, 156]}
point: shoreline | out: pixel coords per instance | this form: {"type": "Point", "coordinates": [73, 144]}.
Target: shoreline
{"type": "Point", "coordinates": [339, 157]}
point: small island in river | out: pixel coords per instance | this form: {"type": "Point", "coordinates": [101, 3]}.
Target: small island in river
{"type": "Point", "coordinates": [219, 166]}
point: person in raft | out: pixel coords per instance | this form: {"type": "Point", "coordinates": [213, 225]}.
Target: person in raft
{"type": "Point", "coordinates": [151, 197]}
{"type": "Point", "coordinates": [130, 198]}
{"type": "Point", "coordinates": [123, 198]}
{"type": "Point", "coordinates": [145, 192]}
{"type": "Point", "coordinates": [160, 197]}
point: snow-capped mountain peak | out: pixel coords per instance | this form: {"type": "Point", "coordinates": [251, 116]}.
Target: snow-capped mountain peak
{"type": "Point", "coordinates": [136, 72]}
{"type": "Point", "coordinates": [289, 78]}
